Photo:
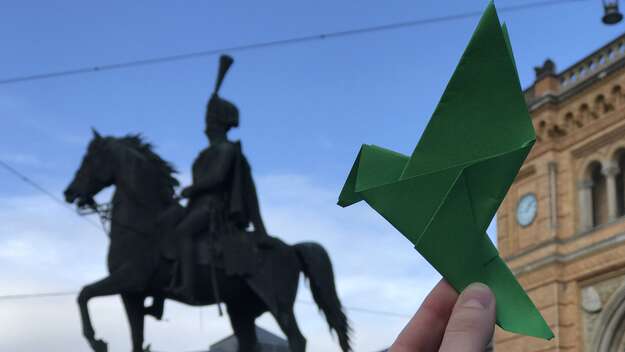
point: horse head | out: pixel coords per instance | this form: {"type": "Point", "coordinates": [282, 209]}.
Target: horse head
{"type": "Point", "coordinates": [126, 161]}
{"type": "Point", "coordinates": [96, 172]}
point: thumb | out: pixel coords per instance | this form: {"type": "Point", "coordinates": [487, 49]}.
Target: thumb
{"type": "Point", "coordinates": [472, 321]}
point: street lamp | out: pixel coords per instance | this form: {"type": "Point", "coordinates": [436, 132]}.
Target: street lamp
{"type": "Point", "coordinates": [611, 13]}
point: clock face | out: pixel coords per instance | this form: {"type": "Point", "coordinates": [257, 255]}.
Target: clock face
{"type": "Point", "coordinates": [526, 209]}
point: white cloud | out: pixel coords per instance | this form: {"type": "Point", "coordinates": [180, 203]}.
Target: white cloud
{"type": "Point", "coordinates": [44, 247]}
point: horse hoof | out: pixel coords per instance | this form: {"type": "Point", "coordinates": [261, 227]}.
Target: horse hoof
{"type": "Point", "coordinates": [147, 348]}
{"type": "Point", "coordinates": [99, 346]}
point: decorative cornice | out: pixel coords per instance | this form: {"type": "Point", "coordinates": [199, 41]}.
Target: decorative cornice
{"type": "Point", "coordinates": [565, 258]}
{"type": "Point", "coordinates": [525, 172]}
{"type": "Point", "coordinates": [606, 139]}
{"type": "Point", "coordinates": [558, 241]}
{"type": "Point", "coordinates": [584, 73]}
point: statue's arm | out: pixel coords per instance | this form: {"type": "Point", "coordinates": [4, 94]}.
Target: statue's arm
{"type": "Point", "coordinates": [218, 172]}
{"type": "Point", "coordinates": [257, 220]}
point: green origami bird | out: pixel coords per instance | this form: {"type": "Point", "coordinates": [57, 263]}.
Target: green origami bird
{"type": "Point", "coordinates": [443, 197]}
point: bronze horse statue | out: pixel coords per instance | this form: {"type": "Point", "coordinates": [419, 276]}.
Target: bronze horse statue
{"type": "Point", "coordinates": [139, 266]}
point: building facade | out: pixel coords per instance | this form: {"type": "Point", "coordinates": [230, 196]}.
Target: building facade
{"type": "Point", "coordinates": [561, 227]}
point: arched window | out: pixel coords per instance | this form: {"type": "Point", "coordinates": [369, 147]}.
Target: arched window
{"type": "Point", "coordinates": [598, 194]}
{"type": "Point", "coordinates": [610, 331]}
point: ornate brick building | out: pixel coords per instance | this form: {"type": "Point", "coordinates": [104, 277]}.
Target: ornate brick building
{"type": "Point", "coordinates": [561, 227]}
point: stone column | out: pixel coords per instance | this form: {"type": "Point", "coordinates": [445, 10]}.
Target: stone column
{"type": "Point", "coordinates": [553, 197]}
{"type": "Point", "coordinates": [584, 196]}
{"type": "Point", "coordinates": [610, 171]}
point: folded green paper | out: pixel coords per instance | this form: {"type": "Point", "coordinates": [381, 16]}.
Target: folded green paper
{"type": "Point", "coordinates": [444, 196]}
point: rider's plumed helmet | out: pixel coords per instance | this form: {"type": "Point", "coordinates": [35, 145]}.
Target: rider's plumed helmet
{"type": "Point", "coordinates": [220, 110]}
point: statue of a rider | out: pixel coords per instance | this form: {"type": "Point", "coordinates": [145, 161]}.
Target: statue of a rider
{"type": "Point", "coordinates": [222, 198]}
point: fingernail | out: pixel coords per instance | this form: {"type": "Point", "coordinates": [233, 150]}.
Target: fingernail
{"type": "Point", "coordinates": [476, 295]}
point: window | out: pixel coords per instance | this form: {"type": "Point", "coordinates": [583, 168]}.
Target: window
{"type": "Point", "coordinates": [598, 195]}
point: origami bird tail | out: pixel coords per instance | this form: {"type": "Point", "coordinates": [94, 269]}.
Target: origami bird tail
{"type": "Point", "coordinates": [513, 303]}
{"type": "Point", "coordinates": [462, 253]}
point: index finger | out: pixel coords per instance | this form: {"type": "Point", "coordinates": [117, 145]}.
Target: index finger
{"type": "Point", "coordinates": [425, 330]}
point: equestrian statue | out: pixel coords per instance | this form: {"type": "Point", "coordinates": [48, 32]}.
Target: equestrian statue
{"type": "Point", "coordinates": [213, 251]}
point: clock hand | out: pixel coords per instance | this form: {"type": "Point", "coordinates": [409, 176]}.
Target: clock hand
{"type": "Point", "coordinates": [530, 205]}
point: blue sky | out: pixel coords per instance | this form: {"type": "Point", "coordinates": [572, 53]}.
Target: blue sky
{"type": "Point", "coordinates": [305, 110]}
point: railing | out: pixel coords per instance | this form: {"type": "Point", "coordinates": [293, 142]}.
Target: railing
{"type": "Point", "coordinates": [593, 64]}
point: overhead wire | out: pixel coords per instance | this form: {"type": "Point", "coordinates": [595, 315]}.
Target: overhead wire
{"type": "Point", "coordinates": [43, 190]}
{"type": "Point", "coordinates": [69, 293]}
{"type": "Point", "coordinates": [210, 52]}
{"type": "Point", "coordinates": [73, 293]}
{"type": "Point", "coordinates": [259, 45]}
{"type": "Point", "coordinates": [272, 43]}
{"type": "Point", "coordinates": [20, 175]}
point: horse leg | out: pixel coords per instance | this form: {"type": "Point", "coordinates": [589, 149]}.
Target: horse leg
{"type": "Point", "coordinates": [133, 303]}
{"type": "Point", "coordinates": [288, 324]}
{"type": "Point", "coordinates": [111, 285]}
{"type": "Point", "coordinates": [245, 330]}
{"type": "Point", "coordinates": [157, 308]}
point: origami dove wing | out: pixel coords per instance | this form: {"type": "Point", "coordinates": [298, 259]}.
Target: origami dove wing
{"type": "Point", "coordinates": [443, 197]}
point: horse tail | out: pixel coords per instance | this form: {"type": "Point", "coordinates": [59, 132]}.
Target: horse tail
{"type": "Point", "coordinates": [317, 268]}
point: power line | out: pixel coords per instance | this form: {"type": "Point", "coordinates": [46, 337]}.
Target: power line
{"type": "Point", "coordinates": [363, 310]}
{"type": "Point", "coordinates": [210, 52]}
{"type": "Point", "coordinates": [40, 188]}
{"type": "Point", "coordinates": [34, 184]}
{"type": "Point", "coordinates": [37, 295]}
{"type": "Point", "coordinates": [73, 293]}
{"type": "Point", "coordinates": [60, 202]}
{"type": "Point", "coordinates": [272, 43]}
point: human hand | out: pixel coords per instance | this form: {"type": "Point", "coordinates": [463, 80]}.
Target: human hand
{"type": "Point", "coordinates": [446, 322]}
